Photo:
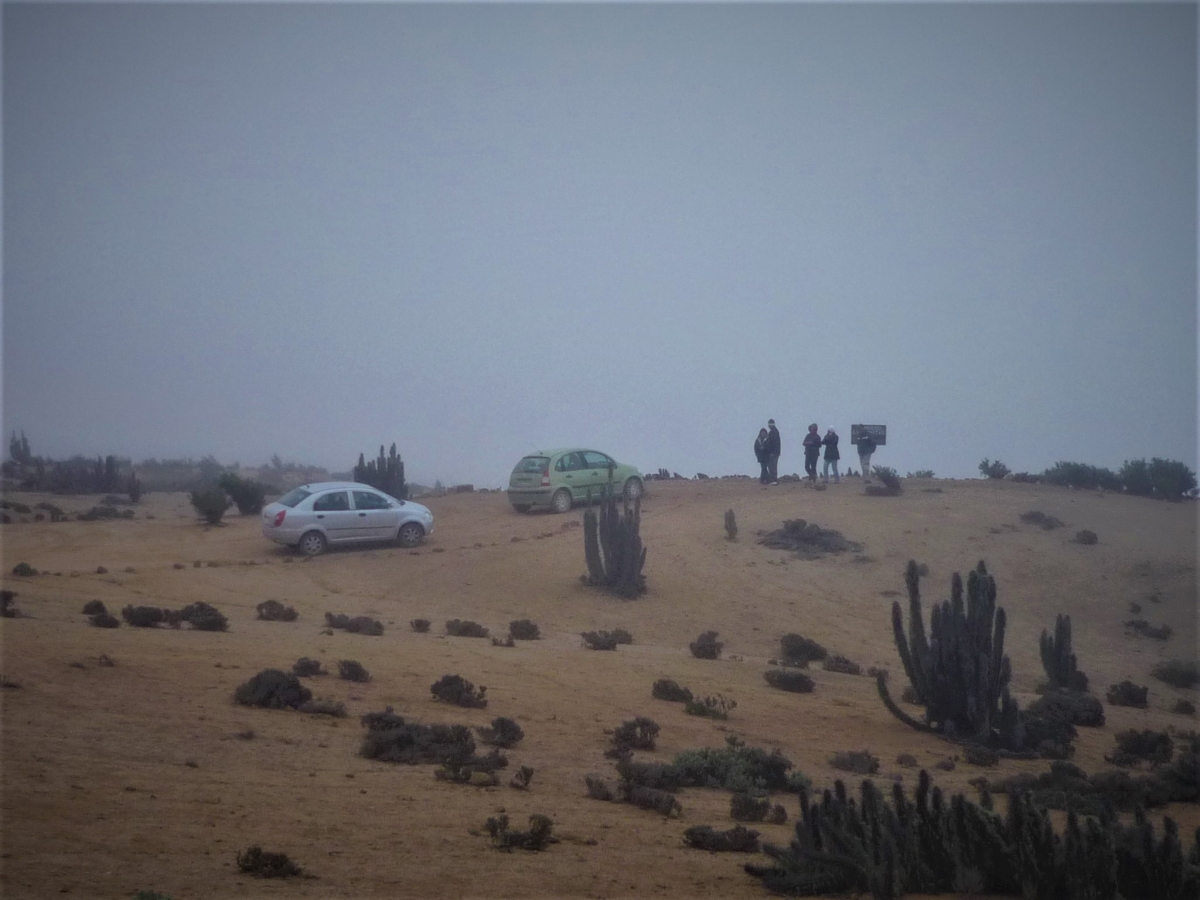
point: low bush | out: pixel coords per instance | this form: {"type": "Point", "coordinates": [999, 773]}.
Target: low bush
{"type": "Point", "coordinates": [1133, 746]}
{"type": "Point", "coordinates": [538, 837]}
{"type": "Point", "coordinates": [456, 690]}
{"type": "Point", "coordinates": [736, 767]}
{"type": "Point", "coordinates": [977, 755]}
{"type": "Point", "coordinates": [503, 732]}
{"type": "Point", "coordinates": [860, 762]}
{"type": "Point", "coordinates": [420, 626]}
{"type": "Point", "coordinates": [907, 760]}
{"type": "Point", "coordinates": [460, 628]}
{"type": "Point", "coordinates": [598, 788]}
{"type": "Point", "coordinates": [800, 651]}
{"type": "Point", "coordinates": [272, 689]}
{"type": "Point", "coordinates": [738, 839]}
{"type": "Point", "coordinates": [93, 607]}
{"type": "Point", "coordinates": [1086, 537]}
{"type": "Point", "coordinates": [7, 610]}
{"type": "Point", "coordinates": [662, 802]}
{"type": "Point", "coordinates": [717, 707]}
{"type": "Point", "coordinates": [352, 670]}
{"type": "Point", "coordinates": [144, 616]}
{"type": "Point", "coordinates": [666, 689]}
{"type": "Point", "coordinates": [522, 778]}
{"type": "Point", "coordinates": [706, 646]}
{"type": "Point", "coordinates": [1040, 519]}
{"type": "Point", "coordinates": [390, 739]}
{"type": "Point", "coordinates": [1076, 707]}
{"type": "Point", "coordinates": [274, 611]}
{"type": "Point", "coordinates": [1144, 628]}
{"type": "Point", "coordinates": [355, 624]}
{"type": "Point", "coordinates": [324, 708]}
{"type": "Point", "coordinates": [1026, 478]}
{"type": "Point", "coordinates": [1081, 475]}
{"type": "Point", "coordinates": [920, 473]}
{"type": "Point", "coordinates": [808, 540]}
{"type": "Point", "coordinates": [523, 630]}
{"type": "Point", "coordinates": [1128, 694]}
{"type": "Point", "coordinates": [842, 665]}
{"type": "Point", "coordinates": [503, 642]}
{"type": "Point", "coordinates": [24, 570]}
{"type": "Point", "coordinates": [249, 496]}
{"type": "Point", "coordinates": [889, 483]}
{"type": "Point", "coordinates": [1180, 673]}
{"type": "Point", "coordinates": [748, 807]}
{"type": "Point", "coordinates": [795, 682]}
{"type": "Point", "coordinates": [634, 734]}
{"type": "Point", "coordinates": [210, 504]}
{"type": "Point", "coordinates": [1184, 708]}
{"type": "Point", "coordinates": [204, 617]}
{"type": "Point", "coordinates": [994, 470]}
{"type": "Point", "coordinates": [599, 640]}
{"type": "Point", "coordinates": [104, 620]}
{"type": "Point", "coordinates": [660, 776]}
{"type": "Point", "coordinates": [307, 668]}
{"type": "Point", "coordinates": [261, 864]}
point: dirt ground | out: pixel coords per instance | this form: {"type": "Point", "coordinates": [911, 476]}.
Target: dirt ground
{"type": "Point", "coordinates": [134, 777]}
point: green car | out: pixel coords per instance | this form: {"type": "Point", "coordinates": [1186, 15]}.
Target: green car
{"type": "Point", "coordinates": [560, 478]}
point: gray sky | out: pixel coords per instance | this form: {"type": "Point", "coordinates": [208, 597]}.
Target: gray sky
{"type": "Point", "coordinates": [480, 230]}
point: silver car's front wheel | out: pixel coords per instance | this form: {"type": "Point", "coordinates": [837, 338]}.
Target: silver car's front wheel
{"type": "Point", "coordinates": [561, 501]}
{"type": "Point", "coordinates": [312, 543]}
{"type": "Point", "coordinates": [410, 534]}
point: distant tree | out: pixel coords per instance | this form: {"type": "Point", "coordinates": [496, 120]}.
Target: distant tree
{"type": "Point", "coordinates": [18, 448]}
{"type": "Point", "coordinates": [134, 487]}
{"type": "Point", "coordinates": [991, 469]}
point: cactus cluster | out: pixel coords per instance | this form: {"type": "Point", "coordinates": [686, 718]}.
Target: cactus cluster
{"type": "Point", "coordinates": [959, 673]}
{"type": "Point", "coordinates": [1059, 662]}
{"type": "Point", "coordinates": [932, 845]}
{"type": "Point", "coordinates": [612, 546]}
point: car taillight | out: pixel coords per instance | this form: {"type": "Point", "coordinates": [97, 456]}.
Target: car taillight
{"type": "Point", "coordinates": [279, 517]}
{"type": "Point", "coordinates": [546, 476]}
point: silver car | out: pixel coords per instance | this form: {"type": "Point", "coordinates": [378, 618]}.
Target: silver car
{"type": "Point", "coordinates": [313, 516]}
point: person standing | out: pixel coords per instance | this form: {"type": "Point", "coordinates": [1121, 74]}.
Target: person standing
{"type": "Point", "coordinates": [774, 448]}
{"type": "Point", "coordinates": [831, 456]}
{"type": "Point", "coordinates": [812, 450]}
{"type": "Point", "coordinates": [866, 446]}
{"type": "Point", "coordinates": [760, 453]}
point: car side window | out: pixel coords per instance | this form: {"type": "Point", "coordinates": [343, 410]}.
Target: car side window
{"type": "Point", "coordinates": [335, 502]}
{"type": "Point", "coordinates": [367, 500]}
{"type": "Point", "coordinates": [596, 460]}
{"type": "Point", "coordinates": [569, 463]}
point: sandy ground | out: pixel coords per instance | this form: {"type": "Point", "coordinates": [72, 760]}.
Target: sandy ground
{"type": "Point", "coordinates": [132, 777]}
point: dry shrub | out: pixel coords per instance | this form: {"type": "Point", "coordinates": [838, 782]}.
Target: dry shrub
{"type": "Point", "coordinates": [93, 607]}
{"type": "Point", "coordinates": [522, 778]}
{"type": "Point", "coordinates": [523, 630]}
{"type": "Point", "coordinates": [274, 611]}
{"type": "Point", "coordinates": [144, 616]}
{"type": "Point", "coordinates": [204, 617]}
{"type": "Point", "coordinates": [355, 624]}
{"type": "Point", "coordinates": [307, 668]}
{"type": "Point", "coordinates": [795, 682]}
{"type": "Point", "coordinates": [842, 665]}
{"type": "Point", "coordinates": [599, 640]}
{"type": "Point", "coordinates": [860, 762]}
{"type": "Point", "coordinates": [104, 620]}
{"type": "Point", "coordinates": [1086, 537]}
{"type": "Point", "coordinates": [24, 570]}
{"type": "Point", "coordinates": [461, 628]}
{"type": "Point", "coordinates": [706, 646]}
{"type": "Point", "coordinates": [352, 670]}
{"type": "Point", "coordinates": [420, 626]}
{"type": "Point", "coordinates": [635, 734]}
{"type": "Point", "coordinates": [717, 707]}
{"type": "Point", "coordinates": [1144, 628]}
{"type": "Point", "coordinates": [261, 864]}
{"type": "Point", "coordinates": [272, 689]}
{"type": "Point", "coordinates": [1180, 673]}
{"type": "Point", "coordinates": [737, 839]}
{"type": "Point", "coordinates": [1128, 694]}
{"type": "Point", "coordinates": [795, 650]}
{"type": "Point", "coordinates": [1133, 746]}
{"type": "Point", "coordinates": [504, 732]}
{"type": "Point", "coordinates": [390, 739]}
{"type": "Point", "coordinates": [666, 689]}
{"type": "Point", "coordinates": [456, 690]}
{"type": "Point", "coordinates": [1043, 521]}
{"type": "Point", "coordinates": [538, 837]}
{"type": "Point", "coordinates": [324, 708]}
{"type": "Point", "coordinates": [748, 807]}
{"type": "Point", "coordinates": [503, 642]}
{"type": "Point", "coordinates": [1184, 708]}
{"type": "Point", "coordinates": [808, 540]}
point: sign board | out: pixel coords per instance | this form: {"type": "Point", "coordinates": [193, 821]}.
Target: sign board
{"type": "Point", "coordinates": [878, 432]}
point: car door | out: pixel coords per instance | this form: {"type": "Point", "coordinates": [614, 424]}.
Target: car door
{"type": "Point", "coordinates": [598, 467]}
{"type": "Point", "coordinates": [333, 512]}
{"type": "Point", "coordinates": [376, 517]}
{"type": "Point", "coordinates": [570, 472]}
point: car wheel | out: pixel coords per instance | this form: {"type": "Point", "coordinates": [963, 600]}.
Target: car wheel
{"type": "Point", "coordinates": [522, 507]}
{"type": "Point", "coordinates": [561, 501]}
{"type": "Point", "coordinates": [312, 543]}
{"type": "Point", "coordinates": [410, 534]}
{"type": "Point", "coordinates": [633, 489]}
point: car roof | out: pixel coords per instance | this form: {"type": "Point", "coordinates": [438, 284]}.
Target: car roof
{"type": "Point", "coordinates": [559, 451]}
{"type": "Point", "coordinates": [338, 486]}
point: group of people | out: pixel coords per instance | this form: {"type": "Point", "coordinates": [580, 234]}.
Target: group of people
{"type": "Point", "coordinates": [767, 447]}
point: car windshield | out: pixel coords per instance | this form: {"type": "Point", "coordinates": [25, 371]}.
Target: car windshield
{"type": "Point", "coordinates": [532, 464]}
{"type": "Point", "coordinates": [291, 498]}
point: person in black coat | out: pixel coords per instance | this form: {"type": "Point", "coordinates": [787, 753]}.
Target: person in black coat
{"type": "Point", "coordinates": [830, 442]}
{"type": "Point", "coordinates": [774, 448]}
{"type": "Point", "coordinates": [812, 450]}
{"type": "Point", "coordinates": [866, 446]}
{"type": "Point", "coordinates": [760, 453]}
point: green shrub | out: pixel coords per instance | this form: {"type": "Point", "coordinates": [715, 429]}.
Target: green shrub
{"type": "Point", "coordinates": [795, 682]}
{"type": "Point", "coordinates": [524, 630]}
{"type": "Point", "coordinates": [737, 839]}
{"type": "Point", "coordinates": [800, 651]}
{"type": "Point", "coordinates": [274, 611]}
{"type": "Point", "coordinates": [248, 496]}
{"type": "Point", "coordinates": [24, 570]}
{"type": "Point", "coordinates": [456, 690]}
{"type": "Point", "coordinates": [355, 624]}
{"type": "Point", "coordinates": [460, 628]}
{"type": "Point", "coordinates": [717, 707]}
{"type": "Point", "coordinates": [995, 470]}
{"type": "Point", "coordinates": [1133, 746]}
{"type": "Point", "coordinates": [1128, 694]}
{"type": "Point", "coordinates": [420, 626]}
{"type": "Point", "coordinates": [93, 607]}
{"type": "Point", "coordinates": [1170, 479]}
{"type": "Point", "coordinates": [634, 734]}
{"type": "Point", "coordinates": [748, 807]}
{"type": "Point", "coordinates": [104, 620]}
{"type": "Point", "coordinates": [352, 670]}
{"type": "Point", "coordinates": [211, 504]}
{"type": "Point", "coordinates": [504, 732]}
{"type": "Point", "coordinates": [706, 646]}
{"type": "Point", "coordinates": [1180, 673]}
{"type": "Point", "coordinates": [920, 473]}
{"type": "Point", "coordinates": [736, 767]}
{"type": "Point", "coordinates": [272, 689]}
{"type": "Point", "coordinates": [261, 864]}
{"type": "Point", "coordinates": [860, 762]}
{"type": "Point", "coordinates": [1080, 475]}
{"type": "Point", "coordinates": [667, 689]}
{"type": "Point", "coordinates": [538, 837]}
{"type": "Point", "coordinates": [307, 668]}
{"type": "Point", "coordinates": [204, 617]}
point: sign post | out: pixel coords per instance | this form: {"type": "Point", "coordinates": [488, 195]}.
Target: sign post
{"type": "Point", "coordinates": [877, 432]}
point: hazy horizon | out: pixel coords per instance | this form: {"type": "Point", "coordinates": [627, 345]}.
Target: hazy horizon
{"type": "Point", "coordinates": [480, 230]}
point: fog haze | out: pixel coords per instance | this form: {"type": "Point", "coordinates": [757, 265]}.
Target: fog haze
{"type": "Point", "coordinates": [475, 231]}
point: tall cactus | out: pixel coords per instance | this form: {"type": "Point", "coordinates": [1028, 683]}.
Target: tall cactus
{"type": "Point", "coordinates": [1062, 670]}
{"type": "Point", "coordinates": [612, 546]}
{"type": "Point", "coordinates": [959, 673]}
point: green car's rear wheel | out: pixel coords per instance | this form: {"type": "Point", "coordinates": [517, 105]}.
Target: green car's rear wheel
{"type": "Point", "coordinates": [561, 501]}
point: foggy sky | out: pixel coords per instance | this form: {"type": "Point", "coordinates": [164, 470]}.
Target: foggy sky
{"type": "Point", "coordinates": [481, 230]}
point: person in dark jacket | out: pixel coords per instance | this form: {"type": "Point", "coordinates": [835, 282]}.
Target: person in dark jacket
{"type": "Point", "coordinates": [774, 448]}
{"type": "Point", "coordinates": [812, 450]}
{"type": "Point", "coordinates": [866, 446]}
{"type": "Point", "coordinates": [760, 453]}
{"type": "Point", "coordinates": [830, 442]}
